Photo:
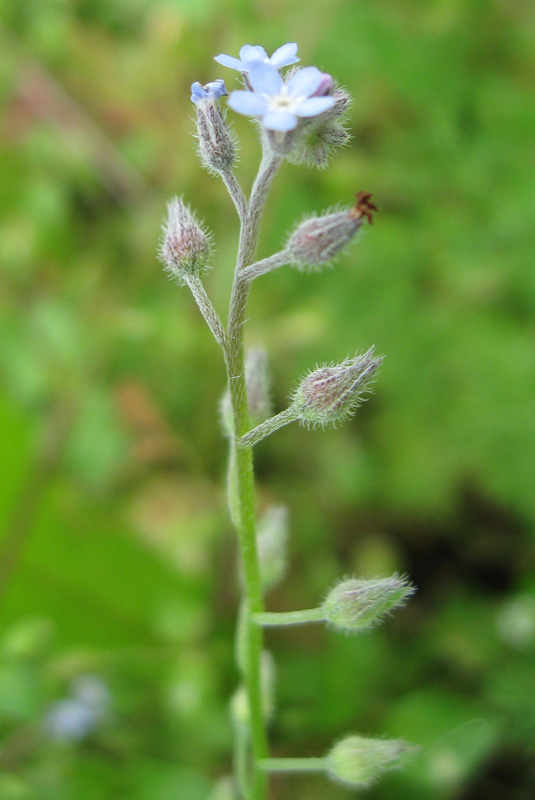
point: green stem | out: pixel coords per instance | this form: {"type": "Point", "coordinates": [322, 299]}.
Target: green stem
{"type": "Point", "coordinates": [294, 765]}
{"type": "Point", "coordinates": [242, 482]}
{"type": "Point", "coordinates": [269, 426]}
{"type": "Point", "coordinates": [272, 619]}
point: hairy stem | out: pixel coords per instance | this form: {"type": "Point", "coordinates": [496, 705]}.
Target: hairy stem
{"type": "Point", "coordinates": [242, 481]}
{"type": "Point", "coordinates": [207, 310]}
{"type": "Point", "coordinates": [236, 193]}
{"type": "Point", "coordinates": [266, 265]}
{"type": "Point", "coordinates": [268, 427]}
{"type": "Point", "coordinates": [275, 619]}
{"type": "Point", "coordinates": [294, 765]}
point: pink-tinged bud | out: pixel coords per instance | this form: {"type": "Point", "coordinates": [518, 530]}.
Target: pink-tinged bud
{"type": "Point", "coordinates": [319, 239]}
{"type": "Point", "coordinates": [357, 605]}
{"type": "Point", "coordinates": [326, 86]}
{"type": "Point", "coordinates": [185, 246]}
{"type": "Point", "coordinates": [332, 393]}
{"type": "Point", "coordinates": [358, 761]}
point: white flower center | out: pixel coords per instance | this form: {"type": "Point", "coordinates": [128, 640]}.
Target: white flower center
{"type": "Point", "coordinates": [284, 102]}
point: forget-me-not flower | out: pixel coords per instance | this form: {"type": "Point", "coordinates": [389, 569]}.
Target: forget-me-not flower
{"type": "Point", "coordinates": [249, 54]}
{"type": "Point", "coordinates": [279, 104]}
{"type": "Point", "coordinates": [208, 93]}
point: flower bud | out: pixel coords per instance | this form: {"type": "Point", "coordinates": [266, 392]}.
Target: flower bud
{"type": "Point", "coordinates": [358, 761]}
{"type": "Point", "coordinates": [239, 704]}
{"type": "Point", "coordinates": [319, 239]}
{"type": "Point", "coordinates": [185, 246]}
{"type": "Point", "coordinates": [223, 790]}
{"type": "Point", "coordinates": [217, 148]}
{"type": "Point", "coordinates": [272, 545]}
{"type": "Point", "coordinates": [331, 393]}
{"type": "Point", "coordinates": [257, 382]}
{"type": "Point", "coordinates": [326, 86]}
{"type": "Point", "coordinates": [319, 136]}
{"type": "Point", "coordinates": [357, 605]}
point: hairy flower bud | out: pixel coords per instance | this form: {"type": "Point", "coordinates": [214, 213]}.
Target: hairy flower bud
{"type": "Point", "coordinates": [319, 239]}
{"type": "Point", "coordinates": [358, 761]}
{"type": "Point", "coordinates": [319, 136]}
{"type": "Point", "coordinates": [217, 148]}
{"type": "Point", "coordinates": [331, 393]}
{"type": "Point", "coordinates": [185, 246]}
{"type": "Point", "coordinates": [357, 605]}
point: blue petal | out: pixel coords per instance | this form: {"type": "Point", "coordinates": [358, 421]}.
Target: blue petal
{"type": "Point", "coordinates": [251, 52]}
{"type": "Point", "coordinates": [284, 56]}
{"type": "Point", "coordinates": [197, 92]}
{"type": "Point", "coordinates": [279, 121]}
{"type": "Point", "coordinates": [305, 82]}
{"type": "Point", "coordinates": [229, 61]}
{"type": "Point", "coordinates": [248, 103]}
{"type": "Point", "coordinates": [264, 78]}
{"type": "Point", "coordinates": [216, 89]}
{"type": "Point", "coordinates": [314, 105]}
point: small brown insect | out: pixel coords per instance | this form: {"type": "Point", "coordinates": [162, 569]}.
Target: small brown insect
{"type": "Point", "coordinates": [364, 207]}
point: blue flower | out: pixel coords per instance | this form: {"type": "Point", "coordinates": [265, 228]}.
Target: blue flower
{"type": "Point", "coordinates": [249, 54]}
{"type": "Point", "coordinates": [208, 93]}
{"type": "Point", "coordinates": [279, 104]}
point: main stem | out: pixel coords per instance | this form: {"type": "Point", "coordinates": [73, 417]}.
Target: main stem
{"type": "Point", "coordinates": [243, 474]}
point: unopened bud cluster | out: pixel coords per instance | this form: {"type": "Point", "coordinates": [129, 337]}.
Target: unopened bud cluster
{"type": "Point", "coordinates": [331, 393]}
{"type": "Point", "coordinates": [319, 239]}
{"type": "Point", "coordinates": [358, 761]}
{"type": "Point", "coordinates": [320, 136]}
{"type": "Point", "coordinates": [185, 246]}
{"type": "Point", "coordinates": [356, 605]}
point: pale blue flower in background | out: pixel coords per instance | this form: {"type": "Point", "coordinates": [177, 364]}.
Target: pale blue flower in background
{"type": "Point", "coordinates": [279, 104]}
{"type": "Point", "coordinates": [251, 54]}
{"type": "Point", "coordinates": [76, 717]}
{"type": "Point", "coordinates": [70, 720]}
{"type": "Point", "coordinates": [209, 93]}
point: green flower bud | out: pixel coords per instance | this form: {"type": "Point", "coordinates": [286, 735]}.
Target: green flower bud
{"type": "Point", "coordinates": [357, 605]}
{"type": "Point", "coordinates": [331, 393]}
{"type": "Point", "coordinates": [223, 790]}
{"type": "Point", "coordinates": [257, 383]}
{"type": "Point", "coordinates": [358, 762]}
{"type": "Point", "coordinates": [185, 246]}
{"type": "Point", "coordinates": [239, 704]}
{"type": "Point", "coordinates": [272, 545]}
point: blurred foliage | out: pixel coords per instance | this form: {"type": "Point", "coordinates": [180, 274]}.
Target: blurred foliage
{"type": "Point", "coordinates": [116, 557]}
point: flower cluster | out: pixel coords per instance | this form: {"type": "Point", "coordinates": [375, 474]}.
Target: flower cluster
{"type": "Point", "coordinates": [280, 105]}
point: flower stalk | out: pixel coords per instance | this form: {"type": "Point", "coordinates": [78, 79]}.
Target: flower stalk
{"type": "Point", "coordinates": [296, 114]}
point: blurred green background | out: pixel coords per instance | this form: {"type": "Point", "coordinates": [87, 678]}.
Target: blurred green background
{"type": "Point", "coordinates": [117, 558]}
